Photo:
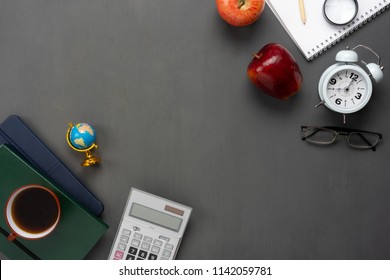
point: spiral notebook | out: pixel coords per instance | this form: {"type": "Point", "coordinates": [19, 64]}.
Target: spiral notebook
{"type": "Point", "coordinates": [317, 35]}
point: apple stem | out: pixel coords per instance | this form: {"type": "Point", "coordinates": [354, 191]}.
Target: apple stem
{"type": "Point", "coordinates": [256, 55]}
{"type": "Point", "coordinates": [241, 3]}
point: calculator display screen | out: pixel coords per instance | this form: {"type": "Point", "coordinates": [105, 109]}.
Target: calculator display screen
{"type": "Point", "coordinates": [155, 217]}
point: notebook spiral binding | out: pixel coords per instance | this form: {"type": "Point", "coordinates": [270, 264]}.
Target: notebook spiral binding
{"type": "Point", "coordinates": [357, 23]}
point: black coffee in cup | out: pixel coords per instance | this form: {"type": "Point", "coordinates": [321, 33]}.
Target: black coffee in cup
{"type": "Point", "coordinates": [34, 210]}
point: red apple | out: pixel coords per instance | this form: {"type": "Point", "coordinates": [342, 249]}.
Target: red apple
{"type": "Point", "coordinates": [274, 70]}
{"type": "Point", "coordinates": [240, 12]}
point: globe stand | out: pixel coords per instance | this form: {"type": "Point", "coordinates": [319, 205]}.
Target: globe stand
{"type": "Point", "coordinates": [89, 158]}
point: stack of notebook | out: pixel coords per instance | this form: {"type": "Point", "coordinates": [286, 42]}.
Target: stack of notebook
{"type": "Point", "coordinates": [24, 160]}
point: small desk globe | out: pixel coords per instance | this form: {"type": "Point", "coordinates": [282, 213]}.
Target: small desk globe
{"type": "Point", "coordinates": [81, 138]}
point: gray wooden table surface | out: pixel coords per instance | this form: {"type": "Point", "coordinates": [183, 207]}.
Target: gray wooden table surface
{"type": "Point", "coordinates": [164, 84]}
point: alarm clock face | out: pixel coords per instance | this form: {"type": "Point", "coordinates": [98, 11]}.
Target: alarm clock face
{"type": "Point", "coordinates": [345, 88]}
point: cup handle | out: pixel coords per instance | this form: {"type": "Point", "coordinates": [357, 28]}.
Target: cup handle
{"type": "Point", "coordinates": [11, 237]}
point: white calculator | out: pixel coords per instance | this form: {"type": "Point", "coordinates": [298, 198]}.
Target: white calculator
{"type": "Point", "coordinates": [151, 228]}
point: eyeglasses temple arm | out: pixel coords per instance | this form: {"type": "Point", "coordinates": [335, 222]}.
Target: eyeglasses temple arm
{"type": "Point", "coordinates": [307, 136]}
{"type": "Point", "coordinates": [367, 142]}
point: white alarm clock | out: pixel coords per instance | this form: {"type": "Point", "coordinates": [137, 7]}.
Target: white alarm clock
{"type": "Point", "coordinates": [345, 87]}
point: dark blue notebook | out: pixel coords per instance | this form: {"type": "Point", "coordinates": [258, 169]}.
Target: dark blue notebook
{"type": "Point", "coordinates": [15, 133]}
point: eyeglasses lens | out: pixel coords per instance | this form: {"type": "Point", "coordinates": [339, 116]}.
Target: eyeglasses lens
{"type": "Point", "coordinates": [362, 140]}
{"type": "Point", "coordinates": [320, 135]}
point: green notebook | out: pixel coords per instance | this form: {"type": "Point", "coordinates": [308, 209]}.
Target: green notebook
{"type": "Point", "coordinates": [78, 229]}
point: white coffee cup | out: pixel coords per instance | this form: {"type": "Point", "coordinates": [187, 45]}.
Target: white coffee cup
{"type": "Point", "coordinates": [32, 212]}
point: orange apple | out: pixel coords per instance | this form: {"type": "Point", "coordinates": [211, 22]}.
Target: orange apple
{"type": "Point", "coordinates": [240, 12]}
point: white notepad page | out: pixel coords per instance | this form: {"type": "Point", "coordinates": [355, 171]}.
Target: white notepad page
{"type": "Point", "coordinates": [317, 35]}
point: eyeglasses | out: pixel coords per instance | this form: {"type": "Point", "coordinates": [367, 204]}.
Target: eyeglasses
{"type": "Point", "coordinates": [327, 135]}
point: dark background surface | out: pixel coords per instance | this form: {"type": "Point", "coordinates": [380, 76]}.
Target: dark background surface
{"type": "Point", "coordinates": [164, 84]}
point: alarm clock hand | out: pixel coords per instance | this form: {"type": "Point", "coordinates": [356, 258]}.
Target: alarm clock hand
{"type": "Point", "coordinates": [350, 83]}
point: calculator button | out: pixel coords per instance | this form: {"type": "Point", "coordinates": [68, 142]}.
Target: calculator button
{"type": "Point", "coordinates": [148, 239]}
{"type": "Point", "coordinates": [130, 257]}
{"type": "Point", "coordinates": [152, 257]}
{"type": "Point", "coordinates": [169, 246]}
{"type": "Point", "coordinates": [137, 235]}
{"type": "Point", "coordinates": [118, 254]}
{"type": "Point", "coordinates": [135, 243]}
{"type": "Point", "coordinates": [124, 239]}
{"type": "Point", "coordinates": [145, 246]}
{"type": "Point", "coordinates": [155, 249]}
{"type": "Point", "coordinates": [121, 246]}
{"type": "Point", "coordinates": [157, 242]}
{"type": "Point", "coordinates": [140, 259]}
{"type": "Point", "coordinates": [133, 251]}
{"type": "Point", "coordinates": [142, 254]}
{"type": "Point", "coordinates": [126, 232]}
{"type": "Point", "coordinates": [166, 253]}
{"type": "Point", "coordinates": [162, 258]}
{"type": "Point", "coordinates": [164, 238]}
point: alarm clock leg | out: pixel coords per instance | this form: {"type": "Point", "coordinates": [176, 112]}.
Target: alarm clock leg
{"type": "Point", "coordinates": [319, 104]}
